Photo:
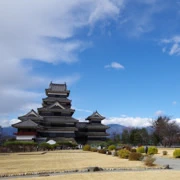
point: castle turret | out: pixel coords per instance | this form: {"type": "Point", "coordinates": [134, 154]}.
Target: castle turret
{"type": "Point", "coordinates": [96, 131]}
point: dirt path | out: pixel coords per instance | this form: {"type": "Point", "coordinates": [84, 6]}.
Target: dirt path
{"type": "Point", "coordinates": [173, 163]}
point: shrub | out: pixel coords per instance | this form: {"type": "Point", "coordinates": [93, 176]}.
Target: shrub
{"type": "Point", "coordinates": [165, 153]}
{"type": "Point", "coordinates": [16, 146]}
{"type": "Point", "coordinates": [124, 153]}
{"type": "Point", "coordinates": [152, 150]}
{"type": "Point", "coordinates": [10, 143]}
{"type": "Point", "coordinates": [102, 151]}
{"type": "Point", "coordinates": [111, 147]}
{"type": "Point", "coordinates": [54, 146]}
{"type": "Point", "coordinates": [93, 149]}
{"type": "Point", "coordinates": [133, 150]}
{"type": "Point", "coordinates": [149, 160]}
{"type": "Point", "coordinates": [140, 149]}
{"type": "Point", "coordinates": [45, 146]}
{"type": "Point", "coordinates": [135, 156]}
{"type": "Point", "coordinates": [67, 144]}
{"type": "Point", "coordinates": [176, 153]}
{"type": "Point", "coordinates": [86, 147]}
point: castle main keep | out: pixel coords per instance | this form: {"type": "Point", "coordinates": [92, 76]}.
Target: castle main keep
{"type": "Point", "coordinates": [54, 120]}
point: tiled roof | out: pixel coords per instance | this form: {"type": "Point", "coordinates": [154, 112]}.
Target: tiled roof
{"type": "Point", "coordinates": [28, 123]}
{"type": "Point", "coordinates": [58, 129]}
{"type": "Point", "coordinates": [57, 87]}
{"type": "Point", "coordinates": [53, 99]}
{"type": "Point", "coordinates": [57, 109]}
{"type": "Point", "coordinates": [97, 126]}
{"type": "Point", "coordinates": [31, 114]}
{"type": "Point", "coordinates": [59, 119]}
{"type": "Point", "coordinates": [81, 124]}
{"type": "Point", "coordinates": [95, 116]}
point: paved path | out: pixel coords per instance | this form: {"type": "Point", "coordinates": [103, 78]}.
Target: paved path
{"type": "Point", "coordinates": [173, 163]}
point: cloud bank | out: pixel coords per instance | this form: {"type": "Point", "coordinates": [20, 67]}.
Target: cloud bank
{"type": "Point", "coordinates": [171, 45]}
{"type": "Point", "coordinates": [129, 121]}
{"type": "Point", "coordinates": [43, 32]}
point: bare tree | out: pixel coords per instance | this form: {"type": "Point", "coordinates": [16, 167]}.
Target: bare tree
{"type": "Point", "coordinates": [166, 130]}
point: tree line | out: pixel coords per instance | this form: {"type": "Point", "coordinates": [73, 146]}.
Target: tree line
{"type": "Point", "coordinates": [163, 131]}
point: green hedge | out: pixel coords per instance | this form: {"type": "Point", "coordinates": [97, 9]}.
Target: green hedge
{"type": "Point", "coordinates": [135, 156]}
{"type": "Point", "coordinates": [67, 144]}
{"type": "Point", "coordinates": [17, 143]}
{"type": "Point", "coordinates": [47, 146]}
{"type": "Point", "coordinates": [140, 149]}
{"type": "Point", "coordinates": [124, 153]}
{"type": "Point", "coordinates": [176, 153]}
{"type": "Point", "coordinates": [111, 147]}
{"type": "Point", "coordinates": [152, 150]}
{"type": "Point", "coordinates": [18, 146]}
{"type": "Point", "coordinates": [86, 147]}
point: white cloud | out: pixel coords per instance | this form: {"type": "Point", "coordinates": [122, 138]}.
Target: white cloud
{"type": "Point", "coordinates": [177, 120]}
{"type": "Point", "coordinates": [43, 31]}
{"type": "Point", "coordinates": [104, 9]}
{"type": "Point", "coordinates": [7, 123]}
{"type": "Point", "coordinates": [175, 49]}
{"type": "Point", "coordinates": [114, 65]}
{"type": "Point", "coordinates": [16, 99]}
{"type": "Point", "coordinates": [159, 113]}
{"type": "Point", "coordinates": [27, 26]}
{"type": "Point", "coordinates": [128, 121]}
{"type": "Point", "coordinates": [172, 45]}
{"type": "Point", "coordinates": [14, 121]}
{"type": "Point", "coordinates": [82, 119]}
{"type": "Point", "coordinates": [19, 101]}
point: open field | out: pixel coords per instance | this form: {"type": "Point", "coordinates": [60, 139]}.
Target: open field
{"type": "Point", "coordinates": [169, 150]}
{"type": "Point", "coordinates": [16, 163]}
{"type": "Point", "coordinates": [150, 175]}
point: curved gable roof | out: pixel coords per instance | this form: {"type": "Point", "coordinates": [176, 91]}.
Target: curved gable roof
{"type": "Point", "coordinates": [26, 124]}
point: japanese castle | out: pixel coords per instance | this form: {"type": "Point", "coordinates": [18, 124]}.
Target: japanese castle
{"type": "Point", "coordinates": [54, 121]}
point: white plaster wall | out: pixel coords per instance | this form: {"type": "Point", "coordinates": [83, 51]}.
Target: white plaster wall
{"type": "Point", "coordinates": [29, 137]}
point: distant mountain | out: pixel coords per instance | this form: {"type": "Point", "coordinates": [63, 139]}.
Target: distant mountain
{"type": "Point", "coordinates": [8, 131]}
{"type": "Point", "coordinates": [118, 129]}
{"type": "Point", "coordinates": [149, 129]}
{"type": "Point", "coordinates": [115, 128]}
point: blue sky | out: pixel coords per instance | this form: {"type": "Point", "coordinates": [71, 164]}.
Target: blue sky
{"type": "Point", "coordinates": [120, 57]}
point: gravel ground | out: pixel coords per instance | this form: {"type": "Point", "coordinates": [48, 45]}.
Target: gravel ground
{"type": "Point", "coordinates": [173, 163]}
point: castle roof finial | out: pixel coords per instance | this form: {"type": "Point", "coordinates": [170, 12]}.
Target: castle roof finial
{"type": "Point", "coordinates": [50, 84]}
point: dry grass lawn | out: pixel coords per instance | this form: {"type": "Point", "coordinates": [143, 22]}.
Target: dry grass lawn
{"type": "Point", "coordinates": [169, 150]}
{"type": "Point", "coordinates": [148, 175]}
{"type": "Point", "coordinates": [15, 163]}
